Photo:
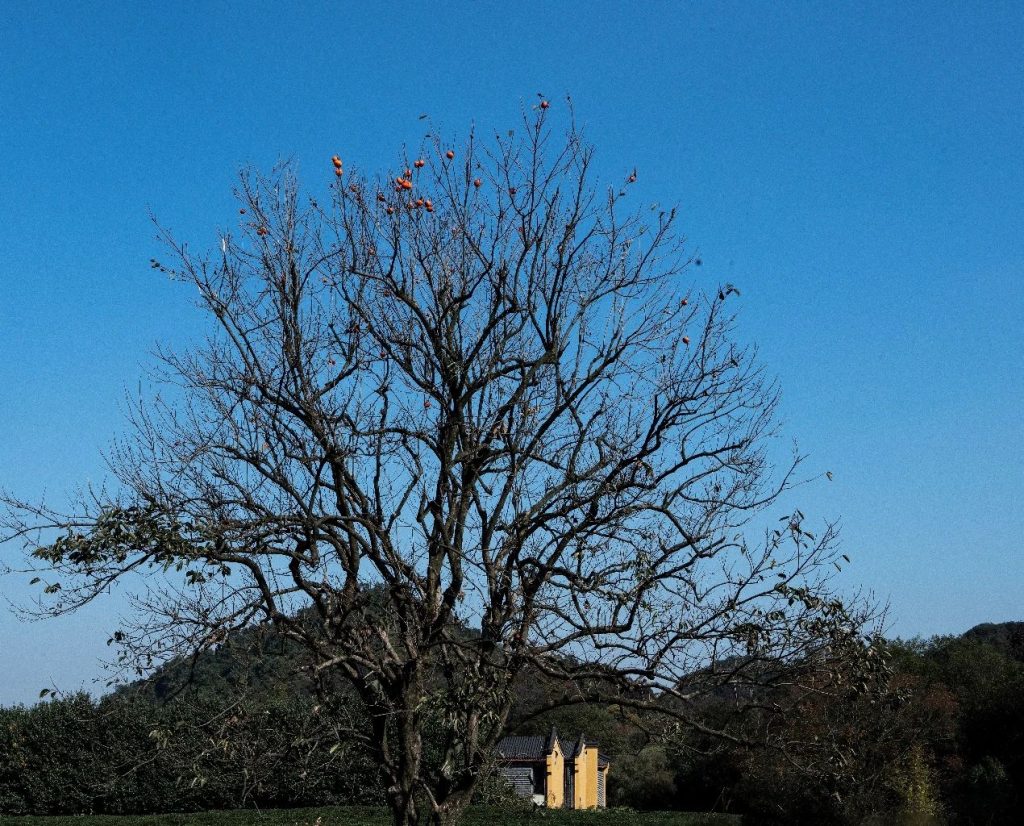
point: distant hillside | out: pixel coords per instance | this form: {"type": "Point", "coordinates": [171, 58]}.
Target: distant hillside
{"type": "Point", "coordinates": [1008, 637]}
{"type": "Point", "coordinates": [259, 661]}
{"type": "Point", "coordinates": [255, 661]}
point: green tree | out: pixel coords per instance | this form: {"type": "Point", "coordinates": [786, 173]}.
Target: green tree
{"type": "Point", "coordinates": [646, 780]}
{"type": "Point", "coordinates": [982, 770]}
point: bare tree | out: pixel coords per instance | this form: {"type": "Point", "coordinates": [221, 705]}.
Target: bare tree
{"type": "Point", "coordinates": [473, 416]}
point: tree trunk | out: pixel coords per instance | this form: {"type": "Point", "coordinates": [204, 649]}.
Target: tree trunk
{"type": "Point", "coordinates": [448, 815]}
{"type": "Point", "coordinates": [403, 808]}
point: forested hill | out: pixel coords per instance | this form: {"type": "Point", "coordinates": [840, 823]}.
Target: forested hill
{"type": "Point", "coordinates": [262, 662]}
{"type": "Point", "coordinates": [1007, 637]}
{"type": "Point", "coordinates": [258, 661]}
{"type": "Point", "coordinates": [254, 661]}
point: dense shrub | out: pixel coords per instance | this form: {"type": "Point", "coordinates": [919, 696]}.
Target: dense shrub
{"type": "Point", "coordinates": [124, 755]}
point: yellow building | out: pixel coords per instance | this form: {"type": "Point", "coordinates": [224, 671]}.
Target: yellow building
{"type": "Point", "coordinates": [570, 774]}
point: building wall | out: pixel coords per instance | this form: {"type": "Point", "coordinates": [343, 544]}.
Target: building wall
{"type": "Point", "coordinates": [580, 783]}
{"type": "Point", "coordinates": [586, 779]}
{"type": "Point", "coordinates": [520, 777]}
{"type": "Point", "coordinates": [555, 778]}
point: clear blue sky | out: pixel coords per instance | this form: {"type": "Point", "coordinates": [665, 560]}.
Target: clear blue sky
{"type": "Point", "coordinates": [857, 169]}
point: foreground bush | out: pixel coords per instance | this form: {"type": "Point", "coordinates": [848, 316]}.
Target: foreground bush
{"type": "Point", "coordinates": [122, 755]}
{"type": "Point", "coordinates": [366, 816]}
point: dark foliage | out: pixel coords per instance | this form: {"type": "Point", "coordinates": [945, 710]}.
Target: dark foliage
{"type": "Point", "coordinates": [1006, 637]}
{"type": "Point", "coordinates": [942, 743]}
{"type": "Point", "coordinates": [123, 755]}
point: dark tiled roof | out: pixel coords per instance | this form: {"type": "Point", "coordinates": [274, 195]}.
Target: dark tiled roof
{"type": "Point", "coordinates": [575, 748]}
{"type": "Point", "coordinates": [535, 747]}
{"type": "Point", "coordinates": [523, 748]}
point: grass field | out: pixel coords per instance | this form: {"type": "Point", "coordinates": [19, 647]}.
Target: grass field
{"type": "Point", "coordinates": [362, 816]}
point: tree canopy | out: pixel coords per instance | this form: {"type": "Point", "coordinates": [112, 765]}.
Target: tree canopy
{"type": "Point", "coordinates": [477, 391]}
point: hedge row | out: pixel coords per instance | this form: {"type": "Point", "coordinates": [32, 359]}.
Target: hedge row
{"type": "Point", "coordinates": [122, 755]}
